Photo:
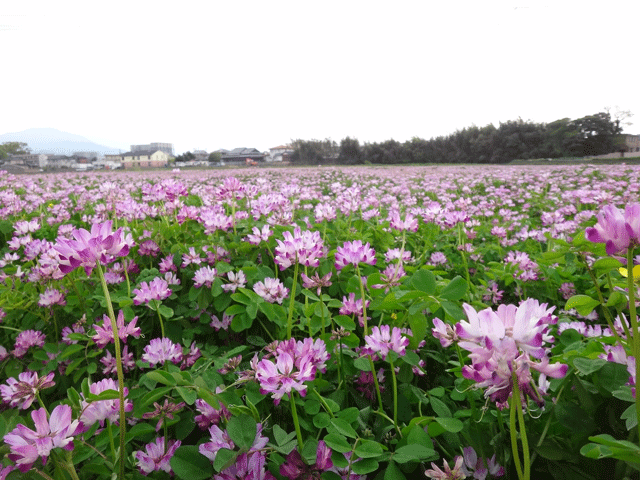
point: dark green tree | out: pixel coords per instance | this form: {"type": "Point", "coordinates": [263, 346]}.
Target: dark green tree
{"type": "Point", "coordinates": [13, 148]}
{"type": "Point", "coordinates": [350, 152]}
{"type": "Point", "coordinates": [310, 152]}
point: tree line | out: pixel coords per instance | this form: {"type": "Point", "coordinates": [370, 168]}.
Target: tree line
{"type": "Point", "coordinates": [515, 139]}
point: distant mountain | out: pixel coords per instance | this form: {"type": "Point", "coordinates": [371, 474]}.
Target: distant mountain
{"type": "Point", "coordinates": [50, 140]}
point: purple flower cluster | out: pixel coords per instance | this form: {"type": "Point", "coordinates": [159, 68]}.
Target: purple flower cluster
{"type": "Point", "coordinates": [506, 342]}
{"type": "Point", "coordinates": [87, 248]}
{"type": "Point", "coordinates": [617, 229]}
{"type": "Point", "coordinates": [295, 363]}
{"type": "Point", "coordinates": [305, 248]}
{"type": "Point", "coordinates": [54, 431]}
{"type": "Point", "coordinates": [156, 289]}
{"type": "Point", "coordinates": [384, 340]}
{"type": "Point", "coordinates": [354, 253]}
{"type": "Point", "coordinates": [22, 392]}
{"type": "Point", "coordinates": [161, 350]}
{"type": "Point", "coordinates": [156, 457]}
{"type": "Point", "coordinates": [271, 289]}
{"type": "Point", "coordinates": [104, 333]}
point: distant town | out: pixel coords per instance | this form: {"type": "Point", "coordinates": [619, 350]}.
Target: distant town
{"type": "Point", "coordinates": [153, 155]}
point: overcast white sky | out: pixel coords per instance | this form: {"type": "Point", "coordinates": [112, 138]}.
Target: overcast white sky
{"type": "Point", "coordinates": [225, 74]}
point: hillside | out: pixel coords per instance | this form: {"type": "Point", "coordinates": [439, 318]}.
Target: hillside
{"type": "Point", "coordinates": [50, 140]}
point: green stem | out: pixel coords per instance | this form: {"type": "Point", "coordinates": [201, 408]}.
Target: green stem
{"type": "Point", "coordinates": [516, 408]}
{"type": "Point", "coordinates": [364, 304]}
{"type": "Point", "coordinates": [120, 373]}
{"type": "Point", "coordinates": [161, 322]}
{"type": "Point", "coordinates": [375, 381]}
{"type": "Point", "coordinates": [605, 309]}
{"type": "Point", "coordinates": [69, 467]}
{"type": "Point", "coordinates": [291, 301]}
{"type": "Point", "coordinates": [323, 402]}
{"type": "Point", "coordinates": [525, 442]}
{"type": "Point", "coordinates": [42, 474]}
{"type": "Point", "coordinates": [296, 423]}
{"type": "Point", "coordinates": [395, 394]}
{"type": "Point", "coordinates": [111, 442]}
{"type": "Point", "coordinates": [633, 320]}
{"type": "Point", "coordinates": [513, 432]}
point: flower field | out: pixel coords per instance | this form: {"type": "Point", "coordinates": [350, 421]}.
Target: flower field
{"type": "Point", "coordinates": [326, 323]}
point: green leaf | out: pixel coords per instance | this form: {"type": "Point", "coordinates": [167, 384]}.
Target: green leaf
{"type": "Point", "coordinates": [414, 453]}
{"type": "Point", "coordinates": [242, 430]}
{"type": "Point", "coordinates": [70, 350]}
{"type": "Point", "coordinates": [364, 466]}
{"type": "Point", "coordinates": [440, 408]}
{"type": "Point", "coordinates": [189, 395]}
{"type": "Point", "coordinates": [368, 449]}
{"type": "Point", "coordinates": [363, 364]}
{"type": "Point", "coordinates": [104, 395]}
{"type": "Point", "coordinates": [337, 442]}
{"type": "Point", "coordinates": [189, 464]}
{"type": "Point", "coordinates": [224, 459]}
{"type": "Point", "coordinates": [343, 427]}
{"type": "Point", "coordinates": [424, 280]}
{"type": "Point", "coordinates": [419, 327]}
{"type": "Point", "coordinates": [583, 304]}
{"type": "Point", "coordinates": [393, 472]}
{"type": "Point", "coordinates": [455, 289]}
{"type": "Point", "coordinates": [165, 311]}
{"type": "Point", "coordinates": [321, 420]}
{"type": "Point", "coordinates": [630, 417]}
{"type": "Point", "coordinates": [162, 377]}
{"type": "Point", "coordinates": [453, 310]}
{"type": "Point", "coordinates": [452, 425]}
{"type": "Point", "coordinates": [606, 264]}
{"type": "Point", "coordinates": [345, 322]}
{"type": "Point", "coordinates": [281, 436]}
{"type": "Point", "coordinates": [587, 366]}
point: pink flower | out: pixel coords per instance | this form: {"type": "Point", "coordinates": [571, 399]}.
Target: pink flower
{"type": "Point", "coordinates": [27, 339]}
{"type": "Point", "coordinates": [209, 415]}
{"type": "Point", "coordinates": [104, 333]}
{"type": "Point", "coordinates": [618, 230]}
{"type": "Point", "coordinates": [384, 340]}
{"type": "Point", "coordinates": [191, 258]}
{"type": "Point", "coordinates": [204, 276]}
{"type": "Point", "coordinates": [22, 392]}
{"type": "Point", "coordinates": [156, 289]}
{"type": "Point", "coordinates": [224, 324]}
{"type": "Point", "coordinates": [259, 235]}
{"type": "Point", "coordinates": [410, 223]}
{"type": "Point", "coordinates": [50, 297]}
{"type": "Point", "coordinates": [161, 350]}
{"type": "Point", "coordinates": [294, 467]}
{"type": "Point", "coordinates": [155, 457]}
{"type": "Point", "coordinates": [56, 432]}
{"type": "Point", "coordinates": [284, 376]}
{"type": "Point", "coordinates": [220, 439]}
{"type": "Point", "coordinates": [447, 474]}
{"type": "Point", "coordinates": [271, 289]}
{"type": "Point", "coordinates": [502, 343]}
{"type": "Point", "coordinates": [236, 280]}
{"type": "Point", "coordinates": [475, 467]}
{"type": "Point", "coordinates": [102, 410]}
{"type": "Point", "coordinates": [315, 281]}
{"type": "Point", "coordinates": [87, 248]}
{"type": "Point", "coordinates": [109, 362]}
{"type": "Point", "coordinates": [443, 332]}
{"type": "Point", "coordinates": [149, 247]}
{"type": "Point", "coordinates": [353, 253]}
{"type": "Point", "coordinates": [305, 248]}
